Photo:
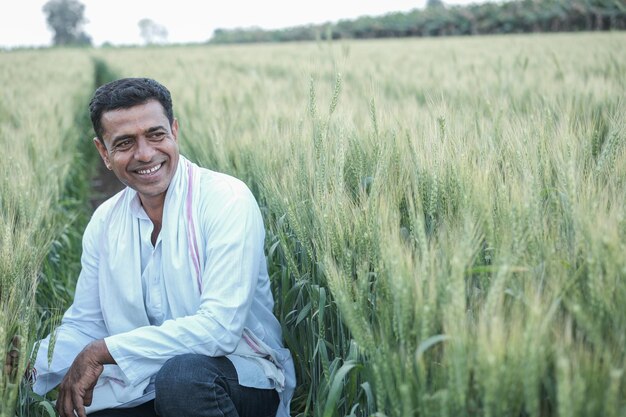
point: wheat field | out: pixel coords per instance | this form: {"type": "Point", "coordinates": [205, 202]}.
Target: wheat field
{"type": "Point", "coordinates": [446, 227]}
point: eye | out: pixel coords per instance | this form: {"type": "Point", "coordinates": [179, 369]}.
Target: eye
{"type": "Point", "coordinates": [123, 145]}
{"type": "Point", "coordinates": [157, 135]}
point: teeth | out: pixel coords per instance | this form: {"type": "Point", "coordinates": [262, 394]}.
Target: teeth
{"type": "Point", "coordinates": [149, 171]}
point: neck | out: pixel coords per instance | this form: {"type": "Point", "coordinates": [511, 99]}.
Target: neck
{"type": "Point", "coordinates": [153, 206]}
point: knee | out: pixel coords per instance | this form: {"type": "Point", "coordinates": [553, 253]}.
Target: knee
{"type": "Point", "coordinates": [178, 374]}
{"type": "Point", "coordinates": [175, 379]}
{"type": "Point", "coordinates": [176, 370]}
{"type": "Point", "coordinates": [182, 382]}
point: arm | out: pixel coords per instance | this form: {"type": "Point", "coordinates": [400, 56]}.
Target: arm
{"type": "Point", "coordinates": [231, 269]}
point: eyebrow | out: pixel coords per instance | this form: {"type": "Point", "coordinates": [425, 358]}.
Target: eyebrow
{"type": "Point", "coordinates": [155, 128]}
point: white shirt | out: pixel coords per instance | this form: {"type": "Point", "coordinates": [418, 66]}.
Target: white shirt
{"type": "Point", "coordinates": [149, 308]}
{"type": "Point", "coordinates": [154, 295]}
{"type": "Point", "coordinates": [156, 304]}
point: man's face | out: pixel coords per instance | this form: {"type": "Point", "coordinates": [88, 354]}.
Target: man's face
{"type": "Point", "coordinates": [141, 149]}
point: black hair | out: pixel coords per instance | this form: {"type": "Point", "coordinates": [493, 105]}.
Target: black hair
{"type": "Point", "coordinates": [125, 93]}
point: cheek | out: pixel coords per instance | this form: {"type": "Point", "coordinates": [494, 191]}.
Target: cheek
{"type": "Point", "coordinates": [118, 162]}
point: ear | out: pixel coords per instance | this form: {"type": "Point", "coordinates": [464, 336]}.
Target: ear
{"type": "Point", "coordinates": [102, 150]}
{"type": "Point", "coordinates": [175, 129]}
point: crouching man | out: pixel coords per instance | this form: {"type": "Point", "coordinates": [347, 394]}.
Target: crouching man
{"type": "Point", "coordinates": [172, 314]}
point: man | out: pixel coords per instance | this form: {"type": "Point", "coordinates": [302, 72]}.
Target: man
{"type": "Point", "coordinates": [172, 314]}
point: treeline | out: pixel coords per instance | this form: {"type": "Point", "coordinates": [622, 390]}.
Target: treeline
{"type": "Point", "coordinates": [517, 16]}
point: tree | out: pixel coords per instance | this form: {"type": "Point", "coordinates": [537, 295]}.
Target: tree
{"type": "Point", "coordinates": [66, 19]}
{"type": "Point", "coordinates": [434, 3]}
{"type": "Point", "coordinates": [152, 32]}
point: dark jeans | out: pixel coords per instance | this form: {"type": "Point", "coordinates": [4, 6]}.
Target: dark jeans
{"type": "Point", "coordinates": [201, 386]}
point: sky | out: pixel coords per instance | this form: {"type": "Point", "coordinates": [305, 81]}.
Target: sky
{"type": "Point", "coordinates": [22, 22]}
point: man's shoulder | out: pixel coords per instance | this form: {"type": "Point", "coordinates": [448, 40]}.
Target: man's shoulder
{"type": "Point", "coordinates": [215, 184]}
{"type": "Point", "coordinates": [218, 194]}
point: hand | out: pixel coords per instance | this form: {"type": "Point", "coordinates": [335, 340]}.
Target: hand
{"type": "Point", "coordinates": [12, 360]}
{"type": "Point", "coordinates": [76, 389]}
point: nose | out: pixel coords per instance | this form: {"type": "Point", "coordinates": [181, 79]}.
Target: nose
{"type": "Point", "coordinates": [144, 151]}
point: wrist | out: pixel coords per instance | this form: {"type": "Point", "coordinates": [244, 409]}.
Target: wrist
{"type": "Point", "coordinates": [98, 351]}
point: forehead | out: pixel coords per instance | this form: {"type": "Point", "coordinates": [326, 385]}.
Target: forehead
{"type": "Point", "coordinates": [140, 117]}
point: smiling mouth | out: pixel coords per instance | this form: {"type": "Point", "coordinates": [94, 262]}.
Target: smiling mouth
{"type": "Point", "coordinates": [148, 171]}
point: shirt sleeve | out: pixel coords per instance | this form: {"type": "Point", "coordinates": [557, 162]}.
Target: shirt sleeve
{"type": "Point", "coordinates": [81, 324]}
{"type": "Point", "coordinates": [231, 270]}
